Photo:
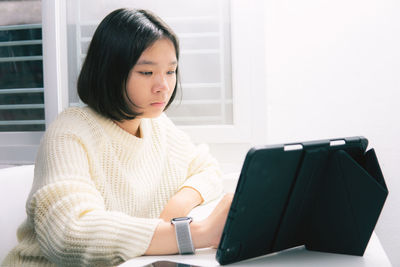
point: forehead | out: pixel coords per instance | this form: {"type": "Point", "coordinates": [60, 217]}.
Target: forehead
{"type": "Point", "coordinates": [160, 52]}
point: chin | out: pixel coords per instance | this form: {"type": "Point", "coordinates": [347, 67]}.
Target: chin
{"type": "Point", "coordinates": [153, 115]}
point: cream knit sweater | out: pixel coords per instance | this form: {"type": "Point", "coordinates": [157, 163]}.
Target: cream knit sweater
{"type": "Point", "coordinates": [98, 191]}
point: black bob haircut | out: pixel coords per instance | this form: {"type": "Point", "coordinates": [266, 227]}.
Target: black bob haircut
{"type": "Point", "coordinates": [116, 46]}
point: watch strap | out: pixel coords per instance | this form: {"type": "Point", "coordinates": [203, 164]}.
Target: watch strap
{"type": "Point", "coordinates": [183, 236]}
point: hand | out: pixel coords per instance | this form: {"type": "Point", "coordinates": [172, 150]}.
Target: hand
{"type": "Point", "coordinates": [214, 224]}
{"type": "Point", "coordinates": [206, 233]}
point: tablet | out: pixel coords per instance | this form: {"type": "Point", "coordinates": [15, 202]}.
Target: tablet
{"type": "Point", "coordinates": [294, 194]}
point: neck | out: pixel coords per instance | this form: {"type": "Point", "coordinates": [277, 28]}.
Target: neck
{"type": "Point", "coordinates": [131, 126]}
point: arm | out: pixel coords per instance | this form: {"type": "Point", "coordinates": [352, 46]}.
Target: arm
{"type": "Point", "coordinates": [202, 169]}
{"type": "Point", "coordinates": [206, 233]}
{"type": "Point", "coordinates": [68, 213]}
{"type": "Point", "coordinates": [181, 203]}
{"type": "Point", "coordinates": [204, 173]}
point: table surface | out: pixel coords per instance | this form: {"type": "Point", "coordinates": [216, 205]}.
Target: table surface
{"type": "Point", "coordinates": [299, 256]}
{"type": "Point", "coordinates": [374, 254]}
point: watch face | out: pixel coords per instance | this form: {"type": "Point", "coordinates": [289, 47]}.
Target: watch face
{"type": "Point", "coordinates": [179, 219]}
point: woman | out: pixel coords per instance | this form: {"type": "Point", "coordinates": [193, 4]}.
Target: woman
{"type": "Point", "coordinates": [109, 177]}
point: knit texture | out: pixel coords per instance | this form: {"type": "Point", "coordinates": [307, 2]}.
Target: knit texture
{"type": "Point", "coordinates": [98, 191]}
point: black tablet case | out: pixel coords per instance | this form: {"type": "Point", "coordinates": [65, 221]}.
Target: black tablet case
{"type": "Point", "coordinates": [325, 197]}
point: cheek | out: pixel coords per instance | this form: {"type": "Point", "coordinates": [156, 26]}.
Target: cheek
{"type": "Point", "coordinates": [135, 90]}
{"type": "Point", "coordinates": [172, 83]}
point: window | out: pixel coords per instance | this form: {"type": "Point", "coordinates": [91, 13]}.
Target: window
{"type": "Point", "coordinates": [203, 28]}
{"type": "Point", "coordinates": [210, 102]}
{"type": "Point", "coordinates": [21, 78]}
{"type": "Point", "coordinates": [22, 116]}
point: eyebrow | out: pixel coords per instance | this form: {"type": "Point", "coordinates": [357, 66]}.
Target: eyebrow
{"type": "Point", "coordinates": [147, 62]}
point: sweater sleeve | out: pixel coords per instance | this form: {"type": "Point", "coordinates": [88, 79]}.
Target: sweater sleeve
{"type": "Point", "coordinates": [68, 212]}
{"type": "Point", "coordinates": [204, 174]}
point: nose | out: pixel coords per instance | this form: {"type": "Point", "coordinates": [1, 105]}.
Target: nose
{"type": "Point", "coordinates": [160, 84]}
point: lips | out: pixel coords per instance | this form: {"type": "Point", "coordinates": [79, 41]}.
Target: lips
{"type": "Point", "coordinates": [158, 104]}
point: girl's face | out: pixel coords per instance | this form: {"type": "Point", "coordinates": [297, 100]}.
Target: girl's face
{"type": "Point", "coordinates": [152, 80]}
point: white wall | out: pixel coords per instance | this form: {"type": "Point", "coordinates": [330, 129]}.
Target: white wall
{"type": "Point", "coordinates": [333, 70]}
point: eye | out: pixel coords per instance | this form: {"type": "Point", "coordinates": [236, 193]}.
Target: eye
{"type": "Point", "coordinates": [146, 73]}
{"type": "Point", "coordinates": [171, 72]}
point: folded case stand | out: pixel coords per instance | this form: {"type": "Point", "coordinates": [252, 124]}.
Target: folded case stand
{"type": "Point", "coordinates": [326, 196]}
{"type": "Point", "coordinates": [344, 197]}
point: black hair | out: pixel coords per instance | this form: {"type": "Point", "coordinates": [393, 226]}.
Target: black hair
{"type": "Point", "coordinates": [116, 46]}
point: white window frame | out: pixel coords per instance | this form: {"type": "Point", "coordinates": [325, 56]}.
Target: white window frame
{"type": "Point", "coordinates": [55, 68]}
{"type": "Point", "coordinates": [18, 147]}
{"type": "Point", "coordinates": [248, 80]}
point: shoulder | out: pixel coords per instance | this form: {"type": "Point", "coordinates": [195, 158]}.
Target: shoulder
{"type": "Point", "coordinates": [175, 138]}
{"type": "Point", "coordinates": [166, 125]}
{"type": "Point", "coordinates": [163, 120]}
{"type": "Point", "coordinates": [79, 121]}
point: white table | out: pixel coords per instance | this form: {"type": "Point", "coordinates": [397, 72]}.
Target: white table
{"type": "Point", "coordinates": [299, 256]}
{"type": "Point", "coordinates": [374, 255]}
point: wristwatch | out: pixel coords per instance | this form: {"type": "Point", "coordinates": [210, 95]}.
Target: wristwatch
{"type": "Point", "coordinates": [183, 236]}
